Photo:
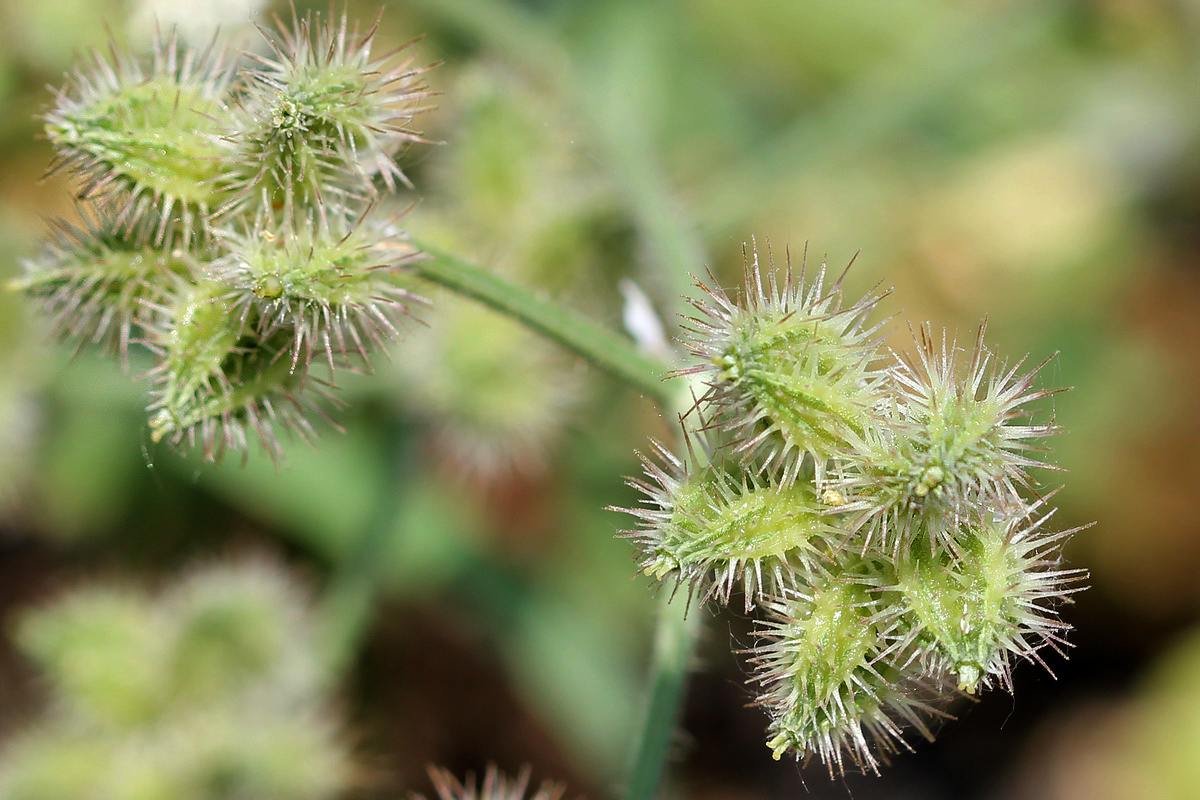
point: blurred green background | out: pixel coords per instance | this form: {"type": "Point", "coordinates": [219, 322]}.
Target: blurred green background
{"type": "Point", "coordinates": [1033, 161]}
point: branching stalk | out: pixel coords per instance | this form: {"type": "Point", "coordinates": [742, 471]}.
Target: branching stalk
{"type": "Point", "coordinates": [609, 351]}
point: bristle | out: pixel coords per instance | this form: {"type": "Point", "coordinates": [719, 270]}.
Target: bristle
{"type": "Point", "coordinates": [496, 786]}
{"type": "Point", "coordinates": [949, 449]}
{"type": "Point", "coordinates": [717, 531]}
{"type": "Point", "coordinates": [793, 369]}
{"type": "Point", "coordinates": [319, 122]}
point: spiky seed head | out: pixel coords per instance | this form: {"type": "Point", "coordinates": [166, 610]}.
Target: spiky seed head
{"type": "Point", "coordinates": [928, 574]}
{"type": "Point", "coordinates": [969, 616]}
{"type": "Point", "coordinates": [218, 386]}
{"type": "Point", "coordinates": [496, 786]}
{"type": "Point", "coordinates": [956, 445]}
{"type": "Point", "coordinates": [319, 120]}
{"type": "Point", "coordinates": [714, 530]}
{"type": "Point", "coordinates": [291, 161]}
{"type": "Point", "coordinates": [827, 681]}
{"type": "Point", "coordinates": [142, 137]}
{"type": "Point", "coordinates": [98, 283]}
{"type": "Point", "coordinates": [331, 291]}
{"type": "Point", "coordinates": [791, 369]}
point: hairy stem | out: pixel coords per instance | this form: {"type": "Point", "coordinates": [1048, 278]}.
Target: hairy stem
{"type": "Point", "coordinates": [605, 349]}
{"type": "Point", "coordinates": [347, 607]}
{"type": "Point", "coordinates": [674, 642]}
{"type": "Point", "coordinates": [675, 632]}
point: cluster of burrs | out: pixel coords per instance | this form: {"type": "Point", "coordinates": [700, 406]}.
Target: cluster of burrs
{"type": "Point", "coordinates": [878, 509]}
{"type": "Point", "coordinates": [210, 689]}
{"type": "Point", "coordinates": [230, 224]}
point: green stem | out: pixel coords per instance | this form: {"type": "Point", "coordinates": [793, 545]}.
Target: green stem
{"type": "Point", "coordinates": [675, 632]}
{"type": "Point", "coordinates": [676, 247]}
{"type": "Point", "coordinates": [599, 345]}
{"type": "Point", "coordinates": [675, 637]}
{"type": "Point", "coordinates": [674, 641]}
{"type": "Point", "coordinates": [347, 607]}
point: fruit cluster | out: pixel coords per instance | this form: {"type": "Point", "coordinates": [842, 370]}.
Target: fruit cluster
{"type": "Point", "coordinates": [879, 509]}
{"type": "Point", "coordinates": [230, 222]}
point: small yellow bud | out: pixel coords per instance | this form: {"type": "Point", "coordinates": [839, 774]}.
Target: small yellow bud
{"type": "Point", "coordinates": [832, 497]}
{"type": "Point", "coordinates": [968, 678]}
{"type": "Point", "coordinates": [268, 288]}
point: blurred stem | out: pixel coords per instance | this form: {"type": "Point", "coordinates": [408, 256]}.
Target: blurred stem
{"type": "Point", "coordinates": [674, 642]}
{"type": "Point", "coordinates": [675, 633]}
{"type": "Point", "coordinates": [350, 598]}
{"type": "Point", "coordinates": [612, 66]}
{"type": "Point", "coordinates": [675, 636]}
{"type": "Point", "coordinates": [520, 35]}
{"type": "Point", "coordinates": [598, 87]}
{"type": "Point", "coordinates": [670, 239]}
{"type": "Point", "coordinates": [607, 350]}
{"type": "Point", "coordinates": [677, 249]}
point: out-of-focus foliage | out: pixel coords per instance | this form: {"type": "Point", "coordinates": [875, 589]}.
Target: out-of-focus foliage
{"type": "Point", "coordinates": [1034, 160]}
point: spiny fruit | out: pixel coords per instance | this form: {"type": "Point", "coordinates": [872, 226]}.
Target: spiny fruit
{"type": "Point", "coordinates": [956, 445]}
{"type": "Point", "coordinates": [966, 618]}
{"type": "Point", "coordinates": [145, 138]}
{"type": "Point", "coordinates": [319, 121]}
{"type": "Point", "coordinates": [231, 222]}
{"type": "Point", "coordinates": [791, 369]}
{"type": "Point", "coordinates": [882, 510]}
{"type": "Point", "coordinates": [829, 681]}
{"type": "Point", "coordinates": [717, 530]}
